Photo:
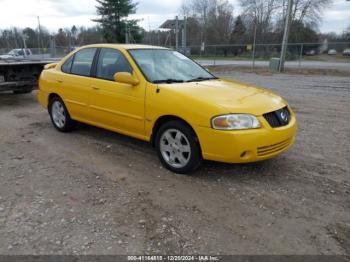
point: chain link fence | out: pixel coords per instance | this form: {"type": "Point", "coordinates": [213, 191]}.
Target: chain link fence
{"type": "Point", "coordinates": [300, 55]}
{"type": "Point", "coordinates": [309, 55]}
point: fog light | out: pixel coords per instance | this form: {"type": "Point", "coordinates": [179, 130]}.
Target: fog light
{"type": "Point", "coordinates": [246, 155]}
{"type": "Point", "coordinates": [243, 154]}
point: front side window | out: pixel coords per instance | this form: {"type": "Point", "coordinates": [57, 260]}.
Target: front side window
{"type": "Point", "coordinates": [82, 62]}
{"type": "Point", "coordinates": [20, 53]}
{"type": "Point", "coordinates": [163, 65]}
{"type": "Point", "coordinates": [110, 62]}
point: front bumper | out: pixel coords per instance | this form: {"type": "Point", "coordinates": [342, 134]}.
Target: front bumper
{"type": "Point", "coordinates": [246, 146]}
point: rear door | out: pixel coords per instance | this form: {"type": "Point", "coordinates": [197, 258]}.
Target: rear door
{"type": "Point", "coordinates": [75, 82]}
{"type": "Point", "coordinates": [117, 106]}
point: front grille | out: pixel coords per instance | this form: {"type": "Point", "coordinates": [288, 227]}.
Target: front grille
{"type": "Point", "coordinates": [278, 118]}
{"type": "Point", "coordinates": [275, 148]}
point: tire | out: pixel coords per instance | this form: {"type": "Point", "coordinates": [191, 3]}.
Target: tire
{"type": "Point", "coordinates": [178, 148]}
{"type": "Point", "coordinates": [59, 115]}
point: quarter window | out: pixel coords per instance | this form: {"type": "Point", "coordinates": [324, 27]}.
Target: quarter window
{"type": "Point", "coordinates": [110, 62]}
{"type": "Point", "coordinates": [83, 62]}
{"type": "Point", "coordinates": [67, 65]}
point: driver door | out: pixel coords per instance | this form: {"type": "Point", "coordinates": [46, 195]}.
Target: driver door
{"type": "Point", "coordinates": [116, 106]}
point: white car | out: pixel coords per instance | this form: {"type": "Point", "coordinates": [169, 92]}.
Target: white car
{"type": "Point", "coordinates": [332, 52]}
{"type": "Point", "coordinates": [310, 52]}
{"type": "Point", "coordinates": [17, 54]}
{"type": "Point", "coordinates": [346, 51]}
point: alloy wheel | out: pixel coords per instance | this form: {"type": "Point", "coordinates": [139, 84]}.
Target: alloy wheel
{"type": "Point", "coordinates": [175, 148]}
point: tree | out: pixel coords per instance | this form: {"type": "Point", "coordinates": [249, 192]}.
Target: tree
{"type": "Point", "coordinates": [302, 33]}
{"type": "Point", "coordinates": [347, 34]}
{"type": "Point", "coordinates": [309, 11]}
{"type": "Point", "coordinates": [199, 10]}
{"type": "Point", "coordinates": [92, 35]}
{"type": "Point", "coordinates": [269, 16]}
{"type": "Point", "coordinates": [212, 20]}
{"type": "Point", "coordinates": [239, 31]}
{"type": "Point", "coordinates": [220, 22]}
{"type": "Point", "coordinates": [61, 38]}
{"type": "Point", "coordinates": [260, 13]}
{"type": "Point", "coordinates": [74, 32]}
{"type": "Point", "coordinates": [31, 37]}
{"type": "Point", "coordinates": [113, 20]}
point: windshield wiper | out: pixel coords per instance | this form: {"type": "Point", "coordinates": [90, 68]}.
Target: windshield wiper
{"type": "Point", "coordinates": [168, 81]}
{"type": "Point", "coordinates": [201, 79]}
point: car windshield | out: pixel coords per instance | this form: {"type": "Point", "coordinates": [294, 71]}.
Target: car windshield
{"type": "Point", "coordinates": [16, 52]}
{"type": "Point", "coordinates": [167, 66]}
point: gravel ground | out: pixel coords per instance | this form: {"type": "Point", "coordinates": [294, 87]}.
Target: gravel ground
{"type": "Point", "coordinates": [97, 192]}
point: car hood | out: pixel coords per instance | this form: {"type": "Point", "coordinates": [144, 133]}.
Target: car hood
{"type": "Point", "coordinates": [10, 57]}
{"type": "Point", "coordinates": [232, 96]}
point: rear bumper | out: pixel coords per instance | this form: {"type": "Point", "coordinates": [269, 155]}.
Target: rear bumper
{"type": "Point", "coordinates": [43, 98]}
{"type": "Point", "coordinates": [246, 145]}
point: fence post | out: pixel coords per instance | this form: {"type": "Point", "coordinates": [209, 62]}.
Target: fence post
{"type": "Point", "coordinates": [253, 58]}
{"type": "Point", "coordinates": [254, 45]}
{"type": "Point", "coordinates": [215, 56]}
{"type": "Point", "coordinates": [301, 54]}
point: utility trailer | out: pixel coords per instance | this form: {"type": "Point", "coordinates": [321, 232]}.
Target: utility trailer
{"type": "Point", "coordinates": [20, 76]}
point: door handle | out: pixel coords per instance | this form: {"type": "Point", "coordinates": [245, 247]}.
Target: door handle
{"type": "Point", "coordinates": [59, 81]}
{"type": "Point", "coordinates": [95, 88]}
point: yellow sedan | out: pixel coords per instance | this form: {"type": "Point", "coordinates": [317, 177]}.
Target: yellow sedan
{"type": "Point", "coordinates": [161, 96]}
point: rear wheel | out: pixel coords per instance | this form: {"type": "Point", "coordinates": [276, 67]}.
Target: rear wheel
{"type": "Point", "coordinates": [178, 148]}
{"type": "Point", "coordinates": [59, 115]}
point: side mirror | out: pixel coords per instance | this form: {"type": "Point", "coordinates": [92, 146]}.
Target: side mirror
{"type": "Point", "coordinates": [126, 78]}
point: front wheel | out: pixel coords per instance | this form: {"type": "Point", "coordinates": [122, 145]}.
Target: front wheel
{"type": "Point", "coordinates": [178, 148]}
{"type": "Point", "coordinates": [59, 115]}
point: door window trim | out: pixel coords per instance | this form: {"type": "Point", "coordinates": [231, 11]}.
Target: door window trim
{"type": "Point", "coordinates": [67, 62]}
{"type": "Point", "coordinates": [97, 58]}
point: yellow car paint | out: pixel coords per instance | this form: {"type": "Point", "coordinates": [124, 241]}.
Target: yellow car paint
{"type": "Point", "coordinates": [134, 110]}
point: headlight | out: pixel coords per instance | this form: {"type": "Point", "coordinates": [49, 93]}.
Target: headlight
{"type": "Point", "coordinates": [235, 122]}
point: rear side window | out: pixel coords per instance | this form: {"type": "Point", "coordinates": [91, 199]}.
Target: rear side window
{"type": "Point", "coordinates": [66, 67]}
{"type": "Point", "coordinates": [82, 62]}
{"type": "Point", "coordinates": [110, 62]}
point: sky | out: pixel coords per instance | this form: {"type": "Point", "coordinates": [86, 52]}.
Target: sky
{"type": "Point", "coordinates": [56, 14]}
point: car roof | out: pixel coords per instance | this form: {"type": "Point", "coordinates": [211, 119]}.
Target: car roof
{"type": "Point", "coordinates": [125, 46]}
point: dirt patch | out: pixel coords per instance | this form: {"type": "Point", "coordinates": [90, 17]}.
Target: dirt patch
{"type": "Point", "coordinates": [341, 233]}
{"type": "Point", "coordinates": [96, 192]}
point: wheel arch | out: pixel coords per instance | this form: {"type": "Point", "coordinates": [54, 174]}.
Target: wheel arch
{"type": "Point", "coordinates": [167, 118]}
{"type": "Point", "coordinates": [50, 97]}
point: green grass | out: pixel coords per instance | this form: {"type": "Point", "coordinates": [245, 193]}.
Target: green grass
{"type": "Point", "coordinates": [327, 58]}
